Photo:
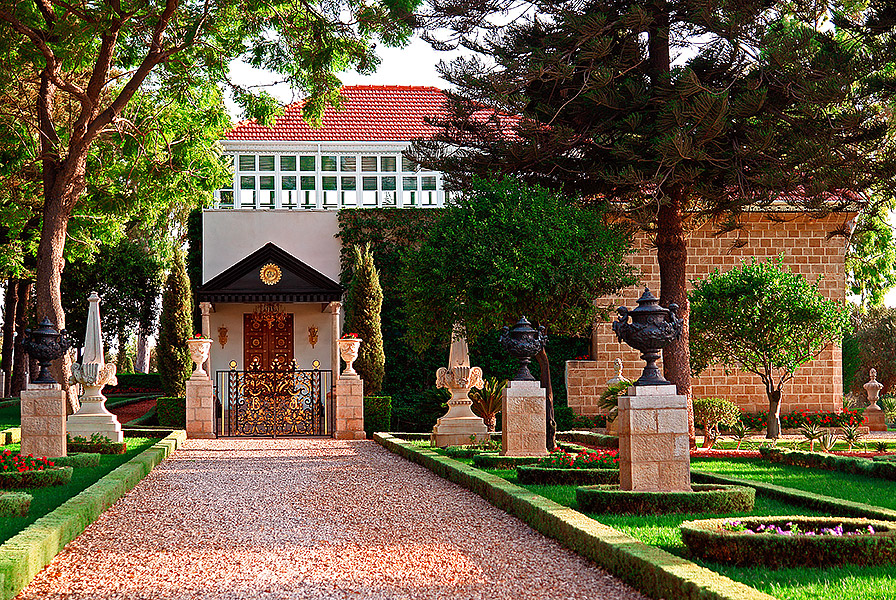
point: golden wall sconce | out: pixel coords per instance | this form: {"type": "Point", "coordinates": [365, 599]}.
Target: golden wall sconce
{"type": "Point", "coordinates": [222, 335]}
{"type": "Point", "coordinates": [312, 335]}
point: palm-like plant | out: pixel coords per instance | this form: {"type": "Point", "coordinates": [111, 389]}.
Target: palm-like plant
{"type": "Point", "coordinates": [888, 404]}
{"type": "Point", "coordinates": [487, 400]}
{"type": "Point", "coordinates": [827, 441]}
{"type": "Point", "coordinates": [609, 399]}
{"type": "Point", "coordinates": [740, 432]}
{"type": "Point", "coordinates": [811, 432]}
{"type": "Point", "coordinates": [851, 435]}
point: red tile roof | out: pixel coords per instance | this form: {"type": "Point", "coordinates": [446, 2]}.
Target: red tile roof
{"type": "Point", "coordinates": [370, 113]}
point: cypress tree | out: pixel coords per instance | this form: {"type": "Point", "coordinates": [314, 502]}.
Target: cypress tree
{"type": "Point", "coordinates": [364, 303]}
{"type": "Point", "coordinates": [175, 324]}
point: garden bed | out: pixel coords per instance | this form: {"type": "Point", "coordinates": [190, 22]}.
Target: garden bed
{"type": "Point", "coordinates": [705, 498]}
{"type": "Point", "coordinates": [534, 475]}
{"type": "Point", "coordinates": [24, 480]}
{"type": "Point", "coordinates": [74, 447]}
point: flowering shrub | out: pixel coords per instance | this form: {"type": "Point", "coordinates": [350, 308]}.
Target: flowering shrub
{"type": "Point", "coordinates": [349, 336]}
{"type": "Point", "coordinates": [791, 528]}
{"type": "Point", "coordinates": [799, 418]}
{"type": "Point", "coordinates": [589, 421]}
{"type": "Point", "coordinates": [19, 463]}
{"type": "Point", "coordinates": [589, 459]}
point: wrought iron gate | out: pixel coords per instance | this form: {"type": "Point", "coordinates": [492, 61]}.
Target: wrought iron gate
{"type": "Point", "coordinates": [284, 401]}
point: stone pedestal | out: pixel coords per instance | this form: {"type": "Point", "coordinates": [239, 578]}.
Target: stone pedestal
{"type": "Point", "coordinates": [459, 425]}
{"type": "Point", "coordinates": [349, 407]}
{"type": "Point", "coordinates": [43, 420]}
{"type": "Point", "coordinates": [875, 419]}
{"type": "Point", "coordinates": [654, 454]}
{"type": "Point", "coordinates": [200, 408]}
{"type": "Point", "coordinates": [94, 418]}
{"type": "Point", "coordinates": [523, 429]}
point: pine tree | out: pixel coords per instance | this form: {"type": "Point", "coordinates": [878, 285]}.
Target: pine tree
{"type": "Point", "coordinates": [673, 111]}
{"type": "Point", "coordinates": [364, 302]}
{"type": "Point", "coordinates": [175, 324]}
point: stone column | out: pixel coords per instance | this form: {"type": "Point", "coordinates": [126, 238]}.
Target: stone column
{"type": "Point", "coordinates": [349, 407]}
{"type": "Point", "coordinates": [654, 453]}
{"type": "Point", "coordinates": [43, 420]}
{"type": "Point", "coordinates": [523, 419]}
{"type": "Point", "coordinates": [200, 407]}
{"type": "Point", "coordinates": [335, 308]}
{"type": "Point", "coordinates": [205, 308]}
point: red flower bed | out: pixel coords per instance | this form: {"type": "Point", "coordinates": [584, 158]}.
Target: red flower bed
{"type": "Point", "coordinates": [19, 463]}
{"type": "Point", "coordinates": [588, 459]}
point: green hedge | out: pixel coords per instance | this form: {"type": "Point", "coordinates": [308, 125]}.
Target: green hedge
{"type": "Point", "coordinates": [493, 460]}
{"type": "Point", "coordinates": [588, 438]}
{"type": "Point", "coordinates": [34, 479]}
{"type": "Point", "coordinates": [14, 504]}
{"type": "Point", "coordinates": [532, 475]}
{"type": "Point", "coordinates": [712, 498]}
{"type": "Point", "coordinates": [25, 554]}
{"type": "Point", "coordinates": [707, 540]}
{"type": "Point", "coordinates": [10, 436]}
{"type": "Point", "coordinates": [649, 569]}
{"type": "Point", "coordinates": [171, 412]}
{"type": "Point", "coordinates": [377, 414]}
{"type": "Point", "coordinates": [832, 462]}
{"type": "Point", "coordinates": [800, 498]}
{"type": "Point", "coordinates": [82, 459]}
{"type": "Point", "coordinates": [135, 383]}
{"type": "Point", "coordinates": [74, 447]}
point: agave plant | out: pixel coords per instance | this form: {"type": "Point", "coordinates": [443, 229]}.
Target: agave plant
{"type": "Point", "coordinates": [827, 441]}
{"type": "Point", "coordinates": [811, 432]}
{"type": "Point", "coordinates": [740, 432]}
{"type": "Point", "coordinates": [609, 399]}
{"type": "Point", "coordinates": [888, 404]}
{"type": "Point", "coordinates": [851, 435]}
{"type": "Point", "coordinates": [880, 447]}
{"type": "Point", "coordinates": [487, 400]}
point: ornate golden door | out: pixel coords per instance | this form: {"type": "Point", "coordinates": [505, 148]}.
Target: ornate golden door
{"type": "Point", "coordinates": [267, 337]}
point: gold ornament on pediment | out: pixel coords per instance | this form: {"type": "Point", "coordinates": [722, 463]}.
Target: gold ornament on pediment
{"type": "Point", "coordinates": [270, 274]}
{"type": "Point", "coordinates": [269, 313]}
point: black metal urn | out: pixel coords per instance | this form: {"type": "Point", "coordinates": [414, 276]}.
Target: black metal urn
{"type": "Point", "coordinates": [523, 342]}
{"type": "Point", "coordinates": [45, 345]}
{"type": "Point", "coordinates": [651, 329]}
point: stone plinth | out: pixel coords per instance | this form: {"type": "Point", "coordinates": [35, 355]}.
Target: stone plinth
{"type": "Point", "coordinates": [523, 421]}
{"type": "Point", "coordinates": [654, 454]}
{"type": "Point", "coordinates": [349, 407]}
{"type": "Point", "coordinates": [200, 408]}
{"type": "Point", "coordinates": [43, 420]}
{"type": "Point", "coordinates": [94, 418]}
{"type": "Point", "coordinates": [875, 419]}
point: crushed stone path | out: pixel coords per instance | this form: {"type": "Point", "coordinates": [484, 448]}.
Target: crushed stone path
{"type": "Point", "coordinates": [311, 518]}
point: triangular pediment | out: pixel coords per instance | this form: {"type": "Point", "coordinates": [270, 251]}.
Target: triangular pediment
{"type": "Point", "coordinates": [270, 274]}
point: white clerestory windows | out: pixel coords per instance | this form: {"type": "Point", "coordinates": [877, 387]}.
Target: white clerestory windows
{"type": "Point", "coordinates": [328, 181]}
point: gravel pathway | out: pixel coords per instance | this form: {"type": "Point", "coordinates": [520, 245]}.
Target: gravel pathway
{"type": "Point", "coordinates": [311, 518]}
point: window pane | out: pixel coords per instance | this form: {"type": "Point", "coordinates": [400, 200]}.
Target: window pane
{"type": "Point", "coordinates": [327, 163]}
{"type": "Point", "coordinates": [307, 182]}
{"type": "Point", "coordinates": [265, 163]}
{"type": "Point", "coordinates": [369, 183]}
{"type": "Point", "coordinates": [429, 183]}
{"type": "Point", "coordinates": [307, 163]}
{"type": "Point", "coordinates": [389, 184]}
{"type": "Point", "coordinates": [247, 162]}
{"type": "Point", "coordinates": [409, 183]}
{"type": "Point", "coordinates": [328, 183]}
{"type": "Point", "coordinates": [287, 163]}
{"type": "Point", "coordinates": [288, 182]}
{"type": "Point", "coordinates": [368, 163]}
{"type": "Point", "coordinates": [226, 198]}
{"type": "Point", "coordinates": [247, 182]}
{"type": "Point", "coordinates": [349, 183]}
{"type": "Point", "coordinates": [266, 182]}
{"type": "Point", "coordinates": [408, 165]}
{"type": "Point", "coordinates": [348, 163]}
{"type": "Point", "coordinates": [388, 163]}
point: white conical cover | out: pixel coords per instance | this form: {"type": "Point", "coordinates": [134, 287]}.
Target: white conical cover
{"type": "Point", "coordinates": [459, 354]}
{"type": "Point", "coordinates": [93, 338]}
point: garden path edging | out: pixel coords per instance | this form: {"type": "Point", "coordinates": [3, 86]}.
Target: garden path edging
{"type": "Point", "coordinates": [25, 554]}
{"type": "Point", "coordinates": [648, 569]}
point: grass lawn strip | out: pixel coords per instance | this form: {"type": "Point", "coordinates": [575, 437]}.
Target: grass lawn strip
{"type": "Point", "coordinates": [651, 570]}
{"type": "Point", "coordinates": [25, 554]}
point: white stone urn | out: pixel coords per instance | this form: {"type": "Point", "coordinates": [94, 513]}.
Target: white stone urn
{"type": "Point", "coordinates": [199, 349]}
{"type": "Point", "coordinates": [348, 350]}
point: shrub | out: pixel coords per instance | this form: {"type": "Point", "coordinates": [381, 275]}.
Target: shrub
{"type": "Point", "coordinates": [832, 462]}
{"type": "Point", "coordinates": [363, 308]}
{"type": "Point", "coordinates": [493, 460]}
{"type": "Point", "coordinates": [535, 475]}
{"type": "Point", "coordinates": [377, 414]}
{"type": "Point", "coordinates": [705, 498]}
{"type": "Point", "coordinates": [711, 412]}
{"type": "Point", "coordinates": [172, 411]}
{"type": "Point", "coordinates": [47, 477]}
{"type": "Point", "coordinates": [175, 327]}
{"type": "Point", "coordinates": [487, 400]}
{"type": "Point", "coordinates": [136, 383]}
{"type": "Point", "coordinates": [14, 504]}
{"type": "Point", "coordinates": [97, 443]}
{"type": "Point", "coordinates": [710, 540]}
{"type": "Point", "coordinates": [587, 459]}
{"type": "Point", "coordinates": [609, 399]}
{"type": "Point", "coordinates": [81, 459]}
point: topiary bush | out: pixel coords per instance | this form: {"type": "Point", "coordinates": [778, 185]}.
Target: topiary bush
{"type": "Point", "coordinates": [709, 413]}
{"type": "Point", "coordinates": [493, 460]}
{"type": "Point", "coordinates": [14, 504]}
{"type": "Point", "coordinates": [81, 459]}
{"type": "Point", "coordinates": [35, 479]}
{"type": "Point", "coordinates": [175, 328]}
{"type": "Point", "coordinates": [135, 383]}
{"type": "Point", "coordinates": [363, 307]}
{"type": "Point", "coordinates": [377, 414]}
{"type": "Point", "coordinates": [713, 540]}
{"type": "Point", "coordinates": [172, 411]}
{"type": "Point", "coordinates": [832, 462]}
{"type": "Point", "coordinates": [533, 475]}
{"type": "Point", "coordinates": [705, 498]}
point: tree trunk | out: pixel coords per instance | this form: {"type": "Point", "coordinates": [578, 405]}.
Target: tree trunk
{"type": "Point", "coordinates": [141, 365]}
{"type": "Point", "coordinates": [9, 333]}
{"type": "Point", "coordinates": [550, 423]}
{"type": "Point", "coordinates": [672, 256]}
{"type": "Point", "coordinates": [774, 414]}
{"type": "Point", "coordinates": [19, 358]}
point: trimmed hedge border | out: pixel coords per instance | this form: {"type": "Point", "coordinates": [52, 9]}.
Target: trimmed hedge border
{"type": "Point", "coordinates": [12, 435]}
{"type": "Point", "coordinates": [706, 539]}
{"type": "Point", "coordinates": [81, 459]}
{"type": "Point", "coordinates": [97, 447]}
{"type": "Point", "coordinates": [14, 504]}
{"type": "Point", "coordinates": [493, 460]}
{"type": "Point", "coordinates": [589, 438]}
{"type": "Point", "coordinates": [25, 554]}
{"type": "Point", "coordinates": [35, 479]}
{"type": "Point", "coordinates": [801, 498]}
{"type": "Point", "coordinates": [847, 464]}
{"type": "Point", "coordinates": [705, 498]}
{"type": "Point", "coordinates": [649, 569]}
{"type": "Point", "coordinates": [532, 475]}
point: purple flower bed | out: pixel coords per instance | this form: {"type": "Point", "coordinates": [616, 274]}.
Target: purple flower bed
{"type": "Point", "coordinates": [791, 528]}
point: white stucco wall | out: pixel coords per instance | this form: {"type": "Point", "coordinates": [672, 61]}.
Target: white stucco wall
{"type": "Point", "coordinates": [230, 235]}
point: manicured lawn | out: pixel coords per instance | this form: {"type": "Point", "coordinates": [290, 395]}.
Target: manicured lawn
{"type": "Point", "coordinates": [10, 416]}
{"type": "Point", "coordinates": [47, 499]}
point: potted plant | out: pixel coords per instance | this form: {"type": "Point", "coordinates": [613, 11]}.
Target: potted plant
{"type": "Point", "coordinates": [348, 350]}
{"type": "Point", "coordinates": [199, 347]}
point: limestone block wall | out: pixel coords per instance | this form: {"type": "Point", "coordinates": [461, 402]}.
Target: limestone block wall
{"type": "Point", "coordinates": [806, 249]}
